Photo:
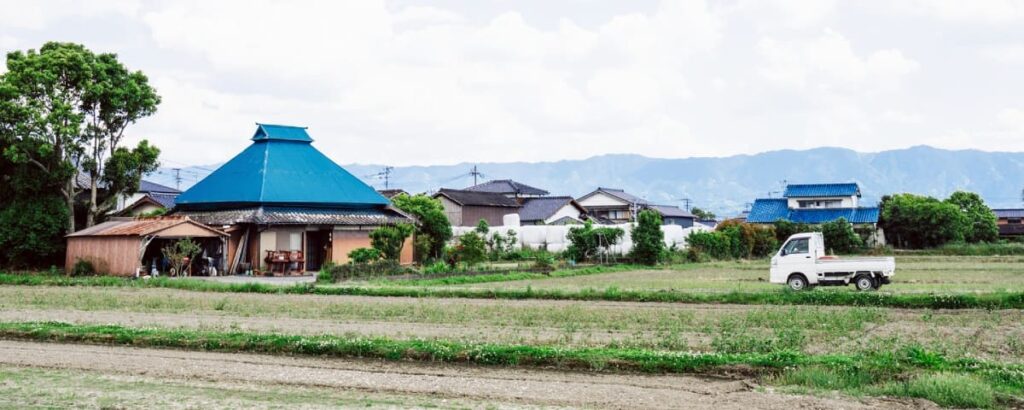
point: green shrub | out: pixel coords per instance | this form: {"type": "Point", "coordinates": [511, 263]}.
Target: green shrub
{"type": "Point", "coordinates": [732, 240]}
{"type": "Point", "coordinates": [586, 241]}
{"type": "Point", "coordinates": [390, 240]}
{"type": "Point", "coordinates": [471, 249]}
{"type": "Point", "coordinates": [433, 230]}
{"type": "Point", "coordinates": [482, 228]}
{"type": "Point", "coordinates": [437, 268]}
{"type": "Point", "coordinates": [544, 260]}
{"type": "Point", "coordinates": [364, 255]}
{"type": "Point", "coordinates": [648, 239]}
{"type": "Point", "coordinates": [840, 237]}
{"type": "Point", "coordinates": [83, 267]}
{"type": "Point", "coordinates": [382, 267]}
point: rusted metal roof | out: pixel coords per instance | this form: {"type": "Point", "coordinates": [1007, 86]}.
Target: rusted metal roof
{"type": "Point", "coordinates": [140, 227]}
{"type": "Point", "coordinates": [271, 215]}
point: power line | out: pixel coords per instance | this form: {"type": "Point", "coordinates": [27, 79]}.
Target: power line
{"type": "Point", "coordinates": [384, 174]}
{"type": "Point", "coordinates": [475, 173]}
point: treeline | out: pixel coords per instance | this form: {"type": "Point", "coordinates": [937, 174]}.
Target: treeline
{"type": "Point", "coordinates": [64, 111]}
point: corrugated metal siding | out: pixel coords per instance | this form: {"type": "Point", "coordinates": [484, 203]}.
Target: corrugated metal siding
{"type": "Point", "coordinates": [471, 215]}
{"type": "Point", "coordinates": [109, 255]}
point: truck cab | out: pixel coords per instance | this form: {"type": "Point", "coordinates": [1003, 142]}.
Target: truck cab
{"type": "Point", "coordinates": [801, 263]}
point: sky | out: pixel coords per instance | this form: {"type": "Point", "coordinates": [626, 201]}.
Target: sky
{"type": "Point", "coordinates": [443, 82]}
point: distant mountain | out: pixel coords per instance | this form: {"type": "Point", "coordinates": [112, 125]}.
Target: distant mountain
{"type": "Point", "coordinates": [726, 184]}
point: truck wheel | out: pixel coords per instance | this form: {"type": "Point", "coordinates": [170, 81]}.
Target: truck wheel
{"type": "Point", "coordinates": [864, 283]}
{"type": "Point", "coordinates": [797, 282]}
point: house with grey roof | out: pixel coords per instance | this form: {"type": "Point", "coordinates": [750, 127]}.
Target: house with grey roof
{"type": "Point", "coordinates": [509, 188]}
{"type": "Point", "coordinates": [618, 206]}
{"type": "Point", "coordinates": [552, 210]}
{"type": "Point", "coordinates": [150, 197]}
{"type": "Point", "coordinates": [1009, 222]}
{"type": "Point", "coordinates": [467, 208]}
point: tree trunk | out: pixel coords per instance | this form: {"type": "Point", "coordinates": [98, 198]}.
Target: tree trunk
{"type": "Point", "coordinates": [69, 196]}
{"type": "Point", "coordinates": [90, 219]}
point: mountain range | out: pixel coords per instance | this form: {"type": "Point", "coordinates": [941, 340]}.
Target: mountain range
{"type": "Point", "coordinates": [724, 185]}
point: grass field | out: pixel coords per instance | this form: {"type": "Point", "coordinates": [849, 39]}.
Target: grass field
{"type": "Point", "coordinates": [914, 274]}
{"type": "Point", "coordinates": [963, 357]}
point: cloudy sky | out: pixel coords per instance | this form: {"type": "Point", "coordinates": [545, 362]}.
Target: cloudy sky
{"type": "Point", "coordinates": [440, 82]}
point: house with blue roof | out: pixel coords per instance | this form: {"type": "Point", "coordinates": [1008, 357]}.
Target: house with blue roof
{"type": "Point", "coordinates": [816, 204]}
{"type": "Point", "coordinates": [283, 198]}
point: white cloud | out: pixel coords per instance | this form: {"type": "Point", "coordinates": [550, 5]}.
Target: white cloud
{"type": "Point", "coordinates": [1012, 119]}
{"type": "Point", "coordinates": [828, 60]}
{"type": "Point", "coordinates": [969, 11]}
{"type": "Point", "coordinates": [37, 15]}
{"type": "Point", "coordinates": [1004, 53]}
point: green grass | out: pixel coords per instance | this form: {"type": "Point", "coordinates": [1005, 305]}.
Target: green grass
{"type": "Point", "coordinates": [994, 300]}
{"type": "Point", "coordinates": [907, 371]}
{"type": "Point", "coordinates": [508, 277]}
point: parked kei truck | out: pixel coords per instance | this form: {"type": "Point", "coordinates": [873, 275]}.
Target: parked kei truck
{"type": "Point", "coordinates": [801, 263]}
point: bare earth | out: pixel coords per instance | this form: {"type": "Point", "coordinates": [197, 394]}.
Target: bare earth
{"type": "Point", "coordinates": [464, 385]}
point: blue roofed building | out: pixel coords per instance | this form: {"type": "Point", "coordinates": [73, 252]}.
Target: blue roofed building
{"type": "Point", "coordinates": [816, 204]}
{"type": "Point", "coordinates": [283, 196]}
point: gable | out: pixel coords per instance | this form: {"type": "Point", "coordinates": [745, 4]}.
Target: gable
{"type": "Point", "coordinates": [600, 198]}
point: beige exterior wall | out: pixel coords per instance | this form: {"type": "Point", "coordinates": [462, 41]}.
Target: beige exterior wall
{"type": "Point", "coordinates": [113, 255]}
{"type": "Point", "coordinates": [344, 241]}
{"type": "Point", "coordinates": [452, 210]}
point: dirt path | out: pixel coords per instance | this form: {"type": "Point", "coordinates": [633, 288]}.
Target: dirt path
{"type": "Point", "coordinates": [516, 387]}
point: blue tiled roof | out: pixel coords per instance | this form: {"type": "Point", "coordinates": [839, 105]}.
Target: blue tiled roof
{"type": "Point", "coordinates": [280, 132]}
{"type": "Point", "coordinates": [818, 190]}
{"type": "Point", "coordinates": [281, 167]}
{"type": "Point", "coordinates": [769, 210]}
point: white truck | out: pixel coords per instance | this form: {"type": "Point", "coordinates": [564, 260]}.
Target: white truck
{"type": "Point", "coordinates": [801, 263]}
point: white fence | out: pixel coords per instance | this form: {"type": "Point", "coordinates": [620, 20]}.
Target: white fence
{"type": "Point", "coordinates": [554, 237]}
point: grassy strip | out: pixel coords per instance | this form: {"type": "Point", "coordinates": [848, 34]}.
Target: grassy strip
{"type": "Point", "coordinates": [996, 300]}
{"type": "Point", "coordinates": [872, 372]}
{"type": "Point", "coordinates": [510, 276]}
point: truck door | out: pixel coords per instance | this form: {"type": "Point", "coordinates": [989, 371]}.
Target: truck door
{"type": "Point", "coordinates": [796, 257]}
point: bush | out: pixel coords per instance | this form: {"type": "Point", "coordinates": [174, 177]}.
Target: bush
{"type": "Point", "coordinates": [916, 222]}
{"type": "Point", "coordinates": [544, 260]}
{"type": "Point", "coordinates": [437, 268]}
{"type": "Point", "coordinates": [390, 240]}
{"type": "Point", "coordinates": [648, 239]}
{"type": "Point", "coordinates": [482, 228]}
{"type": "Point", "coordinates": [585, 241]}
{"type": "Point", "coordinates": [501, 246]}
{"type": "Point", "coordinates": [732, 240]}
{"type": "Point", "coordinates": [471, 249]}
{"type": "Point", "coordinates": [83, 267]}
{"type": "Point", "coordinates": [364, 255]}
{"type": "Point", "coordinates": [433, 231]}
{"type": "Point", "coordinates": [840, 236]}
{"type": "Point", "coordinates": [383, 267]}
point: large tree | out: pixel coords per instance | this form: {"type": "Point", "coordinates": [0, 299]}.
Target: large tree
{"type": "Point", "coordinates": [913, 221]}
{"type": "Point", "coordinates": [981, 222]}
{"type": "Point", "coordinates": [432, 229]}
{"type": "Point", "coordinates": [67, 109]}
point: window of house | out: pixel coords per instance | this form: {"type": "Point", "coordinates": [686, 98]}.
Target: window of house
{"type": "Point", "coordinates": [1013, 221]}
{"type": "Point", "coordinates": [820, 203]}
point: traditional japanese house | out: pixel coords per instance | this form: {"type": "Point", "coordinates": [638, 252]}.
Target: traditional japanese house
{"type": "Point", "coordinates": [287, 207]}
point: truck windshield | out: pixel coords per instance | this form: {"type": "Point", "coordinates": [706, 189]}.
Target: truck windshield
{"type": "Point", "coordinates": [795, 246]}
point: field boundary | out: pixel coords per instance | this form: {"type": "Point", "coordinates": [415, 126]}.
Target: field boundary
{"type": "Point", "coordinates": [993, 300]}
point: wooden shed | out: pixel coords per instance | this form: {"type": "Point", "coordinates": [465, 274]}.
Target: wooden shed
{"type": "Point", "coordinates": [122, 245]}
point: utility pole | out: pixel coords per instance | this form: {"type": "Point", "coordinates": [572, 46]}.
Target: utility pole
{"type": "Point", "coordinates": [386, 174]}
{"type": "Point", "coordinates": [686, 203]}
{"type": "Point", "coordinates": [475, 173]}
{"type": "Point", "coordinates": [177, 178]}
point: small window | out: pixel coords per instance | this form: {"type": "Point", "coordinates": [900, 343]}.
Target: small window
{"type": "Point", "coordinates": [1013, 221]}
{"type": "Point", "coordinates": [796, 246]}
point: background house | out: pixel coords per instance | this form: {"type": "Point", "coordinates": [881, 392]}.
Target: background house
{"type": "Point", "coordinates": [467, 208]}
{"type": "Point", "coordinates": [150, 197]}
{"type": "Point", "coordinates": [616, 206]}
{"type": "Point", "coordinates": [552, 210]}
{"type": "Point", "coordinates": [509, 188]}
{"type": "Point", "coordinates": [816, 204]}
{"type": "Point", "coordinates": [1009, 222]}
{"type": "Point", "coordinates": [282, 194]}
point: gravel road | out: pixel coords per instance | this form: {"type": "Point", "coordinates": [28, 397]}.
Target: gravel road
{"type": "Point", "coordinates": [498, 386]}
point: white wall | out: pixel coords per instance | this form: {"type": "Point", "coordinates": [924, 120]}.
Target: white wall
{"type": "Point", "coordinates": [554, 236]}
{"type": "Point", "coordinates": [601, 199]}
{"type": "Point", "coordinates": [567, 210]}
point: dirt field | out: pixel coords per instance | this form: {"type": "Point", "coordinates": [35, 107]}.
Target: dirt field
{"type": "Point", "coordinates": [989, 334]}
{"type": "Point", "coordinates": [58, 375]}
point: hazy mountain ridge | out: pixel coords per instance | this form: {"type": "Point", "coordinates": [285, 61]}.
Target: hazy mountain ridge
{"type": "Point", "coordinates": [725, 184]}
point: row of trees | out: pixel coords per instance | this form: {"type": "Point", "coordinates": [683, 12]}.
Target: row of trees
{"type": "Point", "coordinates": [915, 221]}
{"type": "Point", "coordinates": [64, 111]}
